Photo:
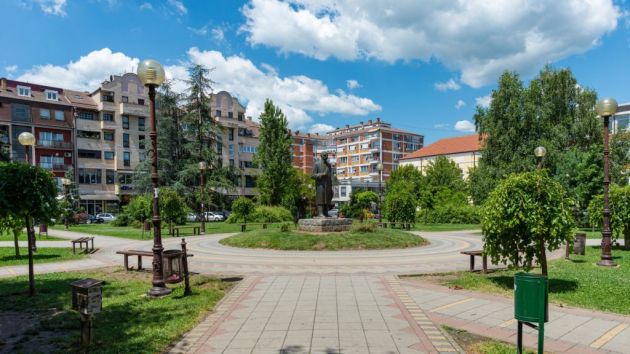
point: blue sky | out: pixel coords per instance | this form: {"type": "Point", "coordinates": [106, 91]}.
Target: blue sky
{"type": "Point", "coordinates": [422, 66]}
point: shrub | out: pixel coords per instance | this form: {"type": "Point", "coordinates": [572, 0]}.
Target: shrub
{"type": "Point", "coordinates": [400, 204]}
{"type": "Point", "coordinates": [450, 214]}
{"type": "Point", "coordinates": [285, 227]}
{"type": "Point", "coordinates": [242, 210]}
{"type": "Point", "coordinates": [619, 203]}
{"type": "Point", "coordinates": [136, 224]}
{"type": "Point", "coordinates": [122, 219]}
{"type": "Point", "coordinates": [365, 227]}
{"type": "Point", "coordinates": [360, 205]}
{"type": "Point", "coordinates": [263, 213]}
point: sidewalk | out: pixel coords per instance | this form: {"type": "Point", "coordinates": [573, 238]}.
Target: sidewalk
{"type": "Point", "coordinates": [569, 330]}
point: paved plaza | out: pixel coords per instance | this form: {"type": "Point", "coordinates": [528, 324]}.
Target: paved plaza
{"type": "Point", "coordinates": [351, 302]}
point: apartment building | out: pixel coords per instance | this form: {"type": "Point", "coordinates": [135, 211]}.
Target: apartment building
{"type": "Point", "coordinates": [465, 151]}
{"type": "Point", "coordinates": [111, 139]}
{"type": "Point", "coordinates": [238, 141]}
{"type": "Point", "coordinates": [306, 149]}
{"type": "Point", "coordinates": [44, 112]}
{"type": "Point", "coordinates": [621, 123]}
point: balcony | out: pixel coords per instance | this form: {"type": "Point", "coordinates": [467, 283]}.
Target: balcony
{"type": "Point", "coordinates": [108, 124]}
{"type": "Point", "coordinates": [54, 166]}
{"type": "Point", "coordinates": [54, 144]}
{"type": "Point", "coordinates": [134, 109]}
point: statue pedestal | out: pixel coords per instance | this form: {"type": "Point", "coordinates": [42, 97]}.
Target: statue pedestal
{"type": "Point", "coordinates": [325, 225]}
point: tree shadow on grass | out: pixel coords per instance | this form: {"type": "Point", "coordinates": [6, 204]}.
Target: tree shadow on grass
{"type": "Point", "coordinates": [555, 285]}
{"type": "Point", "coordinates": [24, 257]}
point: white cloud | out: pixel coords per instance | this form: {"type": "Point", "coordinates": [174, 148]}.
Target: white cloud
{"type": "Point", "coordinates": [11, 68]}
{"type": "Point", "coordinates": [53, 7]}
{"type": "Point", "coordinates": [441, 126]}
{"type": "Point", "coordinates": [445, 86]}
{"type": "Point", "coordinates": [480, 38]}
{"type": "Point", "coordinates": [84, 74]}
{"type": "Point", "coordinates": [465, 126]}
{"type": "Point", "coordinates": [202, 31]}
{"type": "Point", "coordinates": [179, 6]}
{"type": "Point", "coordinates": [352, 84]}
{"type": "Point", "coordinates": [320, 128]}
{"type": "Point", "coordinates": [218, 34]}
{"type": "Point", "coordinates": [296, 95]}
{"type": "Point", "coordinates": [269, 69]}
{"type": "Point", "coordinates": [460, 104]}
{"type": "Point", "coordinates": [146, 6]}
{"type": "Point", "coordinates": [484, 101]}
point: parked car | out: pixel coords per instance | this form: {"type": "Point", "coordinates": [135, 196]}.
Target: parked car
{"type": "Point", "coordinates": [94, 219]}
{"type": "Point", "coordinates": [210, 216]}
{"type": "Point", "coordinates": [107, 217]}
{"type": "Point", "coordinates": [192, 217]}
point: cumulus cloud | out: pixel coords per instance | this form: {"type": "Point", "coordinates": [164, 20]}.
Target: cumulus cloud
{"type": "Point", "coordinates": [218, 34]}
{"type": "Point", "coordinates": [53, 7]}
{"type": "Point", "coordinates": [480, 38]}
{"type": "Point", "coordinates": [484, 101]}
{"type": "Point", "coordinates": [146, 6]}
{"type": "Point", "coordinates": [446, 86]}
{"type": "Point", "coordinates": [459, 104]}
{"type": "Point", "coordinates": [296, 95]}
{"type": "Point", "coordinates": [11, 69]}
{"type": "Point", "coordinates": [320, 128]}
{"type": "Point", "coordinates": [352, 84]}
{"type": "Point", "coordinates": [441, 126]}
{"type": "Point", "coordinates": [465, 126]}
{"type": "Point", "coordinates": [179, 6]}
{"type": "Point", "coordinates": [201, 31]}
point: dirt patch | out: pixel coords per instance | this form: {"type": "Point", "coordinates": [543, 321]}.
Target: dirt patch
{"type": "Point", "coordinates": [27, 332]}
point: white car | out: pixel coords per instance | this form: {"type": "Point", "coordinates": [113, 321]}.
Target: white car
{"type": "Point", "coordinates": [210, 216]}
{"type": "Point", "coordinates": [107, 217]}
{"type": "Point", "coordinates": [192, 217]}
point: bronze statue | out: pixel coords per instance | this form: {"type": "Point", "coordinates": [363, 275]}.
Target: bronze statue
{"type": "Point", "coordinates": [322, 173]}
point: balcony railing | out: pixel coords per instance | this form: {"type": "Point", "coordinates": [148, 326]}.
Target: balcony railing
{"type": "Point", "coordinates": [54, 166]}
{"type": "Point", "coordinates": [54, 144]}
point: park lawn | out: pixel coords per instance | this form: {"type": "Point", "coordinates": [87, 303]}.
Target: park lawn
{"type": "Point", "coordinates": [578, 282]}
{"type": "Point", "coordinates": [475, 344]}
{"type": "Point", "coordinates": [446, 227]}
{"type": "Point", "coordinates": [130, 322]}
{"type": "Point", "coordinates": [352, 240]}
{"type": "Point", "coordinates": [43, 255]}
{"type": "Point", "coordinates": [22, 237]}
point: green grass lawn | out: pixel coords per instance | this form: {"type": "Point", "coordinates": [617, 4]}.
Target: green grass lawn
{"type": "Point", "coordinates": [129, 323]}
{"type": "Point", "coordinates": [474, 344]}
{"type": "Point", "coordinates": [352, 240]}
{"type": "Point", "coordinates": [446, 227]}
{"type": "Point", "coordinates": [22, 237]}
{"type": "Point", "coordinates": [43, 255]}
{"type": "Point", "coordinates": [577, 282]}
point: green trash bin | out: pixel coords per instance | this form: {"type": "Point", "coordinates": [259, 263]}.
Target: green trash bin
{"type": "Point", "coordinates": [531, 305]}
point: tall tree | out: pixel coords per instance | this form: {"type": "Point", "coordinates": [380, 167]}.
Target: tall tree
{"type": "Point", "coordinates": [274, 155]}
{"type": "Point", "coordinates": [443, 184]}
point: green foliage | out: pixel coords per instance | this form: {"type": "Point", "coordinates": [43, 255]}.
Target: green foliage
{"type": "Point", "coordinates": [285, 227]}
{"type": "Point", "coordinates": [580, 173]}
{"type": "Point", "coordinates": [619, 205]}
{"type": "Point", "coordinates": [27, 190]}
{"type": "Point", "coordinates": [408, 175]}
{"type": "Point", "coordinates": [360, 205]}
{"type": "Point", "coordinates": [242, 210]}
{"type": "Point", "coordinates": [450, 214]}
{"type": "Point", "coordinates": [274, 156]}
{"type": "Point", "coordinates": [140, 208]}
{"type": "Point", "coordinates": [400, 204]}
{"type": "Point", "coordinates": [443, 183]}
{"type": "Point", "coordinates": [300, 194]}
{"type": "Point", "coordinates": [620, 158]}
{"type": "Point", "coordinates": [172, 207]}
{"type": "Point", "coordinates": [122, 219]}
{"type": "Point", "coordinates": [364, 227]}
{"type": "Point", "coordinates": [526, 214]}
{"type": "Point", "coordinates": [264, 213]}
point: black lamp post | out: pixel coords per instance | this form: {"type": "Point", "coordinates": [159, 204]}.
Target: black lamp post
{"type": "Point", "coordinates": [379, 168]}
{"type": "Point", "coordinates": [27, 140]}
{"type": "Point", "coordinates": [540, 153]}
{"type": "Point", "coordinates": [605, 108]}
{"type": "Point", "coordinates": [151, 73]}
{"type": "Point", "coordinates": [202, 169]}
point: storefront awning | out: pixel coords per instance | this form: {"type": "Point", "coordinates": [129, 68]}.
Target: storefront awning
{"type": "Point", "coordinates": [99, 197]}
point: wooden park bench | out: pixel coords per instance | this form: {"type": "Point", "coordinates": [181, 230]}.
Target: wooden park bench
{"type": "Point", "coordinates": [474, 254]}
{"type": "Point", "coordinates": [244, 226]}
{"type": "Point", "coordinates": [140, 254]}
{"type": "Point", "coordinates": [81, 241]}
{"type": "Point", "coordinates": [196, 230]}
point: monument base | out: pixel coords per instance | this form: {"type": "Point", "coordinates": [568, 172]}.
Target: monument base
{"type": "Point", "coordinates": [324, 225]}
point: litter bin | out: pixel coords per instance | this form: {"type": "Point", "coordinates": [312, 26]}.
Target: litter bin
{"type": "Point", "coordinates": [531, 305]}
{"type": "Point", "coordinates": [579, 244]}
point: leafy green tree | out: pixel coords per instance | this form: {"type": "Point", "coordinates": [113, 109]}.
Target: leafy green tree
{"type": "Point", "coordinates": [443, 184]}
{"type": "Point", "coordinates": [360, 204]}
{"type": "Point", "coordinates": [619, 204]}
{"type": "Point", "coordinates": [172, 207]}
{"type": "Point", "coordinates": [300, 196]}
{"type": "Point", "coordinates": [140, 209]}
{"type": "Point", "coordinates": [620, 158]}
{"type": "Point", "coordinates": [400, 203]}
{"type": "Point", "coordinates": [242, 210]}
{"type": "Point", "coordinates": [10, 224]}
{"type": "Point", "coordinates": [408, 175]}
{"type": "Point", "coordinates": [525, 215]}
{"type": "Point", "coordinates": [274, 156]}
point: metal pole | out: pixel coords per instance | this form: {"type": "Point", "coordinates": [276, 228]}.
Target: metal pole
{"type": "Point", "coordinates": [31, 272]}
{"type": "Point", "coordinates": [65, 219]}
{"type": "Point", "coordinates": [187, 290]}
{"type": "Point", "coordinates": [159, 287]}
{"type": "Point", "coordinates": [606, 258]}
{"type": "Point", "coordinates": [380, 196]}
{"type": "Point", "coordinates": [203, 214]}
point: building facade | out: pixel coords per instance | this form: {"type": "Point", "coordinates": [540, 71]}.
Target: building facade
{"type": "Point", "coordinates": [44, 112]}
{"type": "Point", "coordinates": [306, 149]}
{"type": "Point", "coordinates": [621, 123]}
{"type": "Point", "coordinates": [465, 151]}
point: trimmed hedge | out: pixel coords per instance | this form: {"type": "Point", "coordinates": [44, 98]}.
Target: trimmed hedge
{"type": "Point", "coordinates": [449, 214]}
{"type": "Point", "coordinates": [263, 213]}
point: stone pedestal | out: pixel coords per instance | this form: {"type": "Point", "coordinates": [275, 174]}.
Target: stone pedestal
{"type": "Point", "coordinates": [325, 224]}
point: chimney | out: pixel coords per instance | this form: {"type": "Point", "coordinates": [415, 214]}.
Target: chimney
{"type": "Point", "coordinates": [308, 134]}
{"type": "Point", "coordinates": [347, 126]}
{"type": "Point", "coordinates": [361, 122]}
{"type": "Point", "coordinates": [317, 134]}
{"type": "Point", "coordinates": [3, 84]}
{"type": "Point", "coordinates": [290, 132]}
{"type": "Point", "coordinates": [378, 120]}
{"type": "Point", "coordinates": [369, 121]}
{"type": "Point", "coordinates": [297, 132]}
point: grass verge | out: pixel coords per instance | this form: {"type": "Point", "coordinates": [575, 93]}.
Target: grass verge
{"type": "Point", "coordinates": [352, 240]}
{"type": "Point", "coordinates": [446, 227]}
{"type": "Point", "coordinates": [578, 282]}
{"type": "Point", "coordinates": [129, 323]}
{"type": "Point", "coordinates": [22, 237]}
{"type": "Point", "coordinates": [43, 255]}
{"type": "Point", "coordinates": [474, 344]}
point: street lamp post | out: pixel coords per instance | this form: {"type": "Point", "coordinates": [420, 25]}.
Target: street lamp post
{"type": "Point", "coordinates": [605, 108]}
{"type": "Point", "coordinates": [540, 153]}
{"type": "Point", "coordinates": [151, 73]}
{"type": "Point", "coordinates": [379, 168]}
{"type": "Point", "coordinates": [202, 169]}
{"type": "Point", "coordinates": [66, 189]}
{"type": "Point", "coordinates": [27, 140]}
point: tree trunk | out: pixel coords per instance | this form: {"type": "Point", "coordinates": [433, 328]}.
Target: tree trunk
{"type": "Point", "coordinates": [543, 259]}
{"type": "Point", "coordinates": [626, 237]}
{"type": "Point", "coordinates": [16, 234]}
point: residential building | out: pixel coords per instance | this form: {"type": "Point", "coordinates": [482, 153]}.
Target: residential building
{"type": "Point", "coordinates": [621, 123]}
{"type": "Point", "coordinates": [238, 142]}
{"type": "Point", "coordinates": [465, 151]}
{"type": "Point", "coordinates": [306, 149]}
{"type": "Point", "coordinates": [44, 112]}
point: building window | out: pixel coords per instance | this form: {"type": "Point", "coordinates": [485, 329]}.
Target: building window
{"type": "Point", "coordinates": [231, 134]}
{"type": "Point", "coordinates": [240, 116]}
{"type": "Point", "coordinates": [107, 96]}
{"type": "Point", "coordinates": [141, 101]}
{"type": "Point", "coordinates": [125, 99]}
{"type": "Point", "coordinates": [219, 148]}
{"type": "Point", "coordinates": [125, 140]}
{"type": "Point", "coordinates": [110, 176]}
{"type": "Point", "coordinates": [250, 181]}
{"type": "Point", "coordinates": [142, 156]}
{"type": "Point", "coordinates": [231, 115]}
{"type": "Point", "coordinates": [125, 122]}
{"type": "Point", "coordinates": [51, 95]}
{"type": "Point", "coordinates": [232, 162]}
{"type": "Point", "coordinates": [90, 154]}
{"type": "Point", "coordinates": [364, 169]}
{"type": "Point", "coordinates": [24, 91]}
{"type": "Point", "coordinates": [108, 117]}
{"type": "Point", "coordinates": [141, 123]}
{"type": "Point", "coordinates": [59, 116]}
{"type": "Point", "coordinates": [141, 142]}
{"type": "Point", "coordinates": [44, 113]}
{"type": "Point", "coordinates": [127, 158]}
{"type": "Point", "coordinates": [20, 113]}
{"type": "Point", "coordinates": [217, 113]}
{"type": "Point", "coordinates": [86, 115]}
{"type": "Point", "coordinates": [109, 155]}
{"type": "Point", "coordinates": [231, 149]}
{"type": "Point", "coordinates": [109, 136]}
{"type": "Point", "coordinates": [88, 135]}
{"type": "Point", "coordinates": [90, 176]}
{"type": "Point", "coordinates": [125, 178]}
{"type": "Point", "coordinates": [247, 149]}
{"type": "Point", "coordinates": [343, 160]}
{"type": "Point", "coordinates": [352, 147]}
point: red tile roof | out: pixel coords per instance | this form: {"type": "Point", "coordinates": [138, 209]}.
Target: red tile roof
{"type": "Point", "coordinates": [448, 146]}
